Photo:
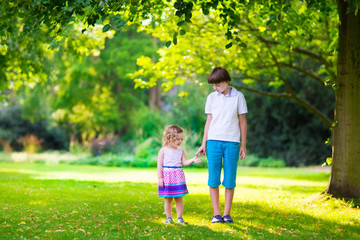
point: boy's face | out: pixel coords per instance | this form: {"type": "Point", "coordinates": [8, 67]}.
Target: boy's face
{"type": "Point", "coordinates": [220, 87]}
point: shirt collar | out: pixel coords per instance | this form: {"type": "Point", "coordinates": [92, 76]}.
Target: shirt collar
{"type": "Point", "coordinates": [233, 92]}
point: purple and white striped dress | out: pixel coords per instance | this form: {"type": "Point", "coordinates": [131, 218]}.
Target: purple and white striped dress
{"type": "Point", "coordinates": [173, 174]}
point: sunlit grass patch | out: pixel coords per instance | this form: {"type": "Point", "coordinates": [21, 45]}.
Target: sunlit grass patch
{"type": "Point", "coordinates": [91, 202]}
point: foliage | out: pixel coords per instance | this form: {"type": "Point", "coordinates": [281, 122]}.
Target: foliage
{"type": "Point", "coordinates": [97, 202]}
{"type": "Point", "coordinates": [282, 129]}
{"type": "Point", "coordinates": [254, 161]}
{"type": "Point", "coordinates": [115, 160]}
{"type": "Point", "coordinates": [31, 143]}
{"type": "Point", "coordinates": [99, 146]}
{"type": "Point", "coordinates": [147, 148]}
{"type": "Point", "coordinates": [13, 126]}
{"type": "Point", "coordinates": [147, 123]}
{"type": "Point", "coordinates": [5, 146]}
{"type": "Point", "coordinates": [186, 104]}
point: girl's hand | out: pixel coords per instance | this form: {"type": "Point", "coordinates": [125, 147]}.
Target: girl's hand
{"type": "Point", "coordinates": [161, 182]}
{"type": "Point", "coordinates": [196, 159]}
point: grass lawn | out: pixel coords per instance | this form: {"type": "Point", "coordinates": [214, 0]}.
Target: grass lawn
{"type": "Point", "coordinates": [90, 202]}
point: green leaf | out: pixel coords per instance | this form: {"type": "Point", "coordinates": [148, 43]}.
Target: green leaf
{"type": "Point", "coordinates": [182, 31]}
{"type": "Point", "coordinates": [181, 23]}
{"type": "Point", "coordinates": [121, 24]}
{"type": "Point", "coordinates": [242, 44]}
{"type": "Point", "coordinates": [167, 44]}
{"type": "Point", "coordinates": [229, 45]}
{"type": "Point", "coordinates": [179, 13]}
{"type": "Point", "coordinates": [175, 38]}
{"type": "Point", "coordinates": [106, 28]}
{"type": "Point", "coordinates": [335, 86]}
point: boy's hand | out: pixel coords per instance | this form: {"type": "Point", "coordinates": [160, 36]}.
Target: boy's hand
{"type": "Point", "coordinates": [161, 182]}
{"type": "Point", "coordinates": [201, 151]}
{"type": "Point", "coordinates": [242, 152]}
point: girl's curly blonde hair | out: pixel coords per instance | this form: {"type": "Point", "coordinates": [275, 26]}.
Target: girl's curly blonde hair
{"type": "Point", "coordinates": [170, 134]}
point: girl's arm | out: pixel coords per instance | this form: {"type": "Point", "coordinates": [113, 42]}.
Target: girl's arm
{"type": "Point", "coordinates": [186, 162]}
{"type": "Point", "coordinates": [160, 161]}
{"type": "Point", "coordinates": [202, 149]}
{"type": "Point", "coordinates": [243, 129]}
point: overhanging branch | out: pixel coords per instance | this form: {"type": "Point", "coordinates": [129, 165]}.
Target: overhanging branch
{"type": "Point", "coordinates": [286, 95]}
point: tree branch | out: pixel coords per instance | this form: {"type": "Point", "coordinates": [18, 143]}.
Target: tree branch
{"type": "Point", "coordinates": [263, 93]}
{"type": "Point", "coordinates": [292, 94]}
{"type": "Point", "coordinates": [307, 52]}
{"type": "Point", "coordinates": [318, 57]}
{"type": "Point", "coordinates": [308, 73]}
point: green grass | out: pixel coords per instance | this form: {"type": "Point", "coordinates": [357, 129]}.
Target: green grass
{"type": "Point", "coordinates": [90, 202]}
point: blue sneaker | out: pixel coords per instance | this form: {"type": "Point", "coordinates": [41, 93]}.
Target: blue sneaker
{"type": "Point", "coordinates": [227, 219]}
{"type": "Point", "coordinates": [168, 220]}
{"type": "Point", "coordinates": [217, 219]}
{"type": "Point", "coordinates": [180, 220]}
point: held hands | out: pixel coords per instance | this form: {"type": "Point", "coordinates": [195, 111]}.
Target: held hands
{"type": "Point", "coordinates": [196, 159]}
{"type": "Point", "coordinates": [201, 151]}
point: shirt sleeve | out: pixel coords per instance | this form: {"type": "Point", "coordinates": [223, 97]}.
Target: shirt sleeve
{"type": "Point", "coordinates": [208, 105]}
{"type": "Point", "coordinates": [242, 107]}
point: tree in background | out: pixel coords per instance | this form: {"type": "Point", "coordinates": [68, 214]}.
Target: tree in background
{"type": "Point", "coordinates": [345, 181]}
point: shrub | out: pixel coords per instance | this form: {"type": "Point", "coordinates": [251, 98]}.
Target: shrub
{"type": "Point", "coordinates": [254, 161]}
{"type": "Point", "coordinates": [6, 147]}
{"type": "Point", "coordinates": [13, 126]}
{"type": "Point", "coordinates": [99, 146]}
{"type": "Point", "coordinates": [148, 148]}
{"type": "Point", "coordinates": [31, 143]}
{"type": "Point", "coordinates": [114, 160]}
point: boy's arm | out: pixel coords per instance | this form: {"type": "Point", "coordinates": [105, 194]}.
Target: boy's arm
{"type": "Point", "coordinates": [202, 149]}
{"type": "Point", "coordinates": [243, 129]}
{"type": "Point", "coordinates": [160, 161]}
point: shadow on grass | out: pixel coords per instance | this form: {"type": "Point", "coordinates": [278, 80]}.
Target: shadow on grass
{"type": "Point", "coordinates": [67, 209]}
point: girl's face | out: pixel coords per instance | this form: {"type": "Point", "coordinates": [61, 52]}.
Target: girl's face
{"type": "Point", "coordinates": [177, 141]}
{"type": "Point", "coordinates": [220, 87]}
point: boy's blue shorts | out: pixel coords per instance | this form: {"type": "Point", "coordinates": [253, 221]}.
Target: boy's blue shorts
{"type": "Point", "coordinates": [216, 151]}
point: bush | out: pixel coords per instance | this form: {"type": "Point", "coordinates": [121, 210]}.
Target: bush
{"type": "Point", "coordinates": [114, 160]}
{"type": "Point", "coordinates": [13, 126]}
{"type": "Point", "coordinates": [283, 129]}
{"type": "Point", "coordinates": [99, 146]}
{"type": "Point", "coordinates": [5, 146]}
{"type": "Point", "coordinates": [31, 143]}
{"type": "Point", "coordinates": [254, 161]}
{"type": "Point", "coordinates": [148, 148]}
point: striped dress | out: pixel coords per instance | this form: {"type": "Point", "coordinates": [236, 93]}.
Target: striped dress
{"type": "Point", "coordinates": [173, 174]}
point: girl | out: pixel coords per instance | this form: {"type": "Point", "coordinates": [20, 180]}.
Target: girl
{"type": "Point", "coordinates": [171, 176]}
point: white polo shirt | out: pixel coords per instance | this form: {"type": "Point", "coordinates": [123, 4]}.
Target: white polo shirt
{"type": "Point", "coordinates": [225, 112]}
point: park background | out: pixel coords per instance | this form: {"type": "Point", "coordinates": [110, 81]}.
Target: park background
{"type": "Point", "coordinates": [97, 95]}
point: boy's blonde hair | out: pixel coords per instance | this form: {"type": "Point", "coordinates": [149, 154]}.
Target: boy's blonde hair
{"type": "Point", "coordinates": [170, 134]}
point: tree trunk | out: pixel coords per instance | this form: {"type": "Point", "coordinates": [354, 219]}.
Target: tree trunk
{"type": "Point", "coordinates": [345, 173]}
{"type": "Point", "coordinates": [154, 98]}
{"type": "Point", "coordinates": [155, 92]}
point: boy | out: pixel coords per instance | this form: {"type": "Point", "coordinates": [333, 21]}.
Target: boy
{"type": "Point", "coordinates": [226, 121]}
